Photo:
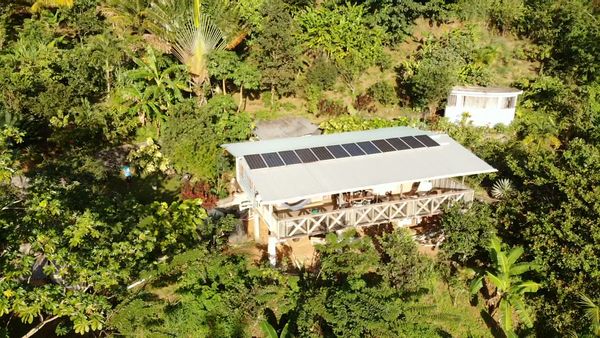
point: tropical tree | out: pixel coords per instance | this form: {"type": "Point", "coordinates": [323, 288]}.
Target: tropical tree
{"type": "Point", "coordinates": [153, 89]}
{"type": "Point", "coordinates": [345, 34]}
{"type": "Point", "coordinates": [510, 289]}
{"type": "Point", "coordinates": [191, 34]}
{"type": "Point", "coordinates": [275, 51]}
{"type": "Point", "coordinates": [246, 76]}
{"type": "Point", "coordinates": [222, 65]}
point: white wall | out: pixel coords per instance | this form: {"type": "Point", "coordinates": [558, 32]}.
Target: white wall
{"type": "Point", "coordinates": [483, 109]}
{"type": "Point", "coordinates": [481, 117]}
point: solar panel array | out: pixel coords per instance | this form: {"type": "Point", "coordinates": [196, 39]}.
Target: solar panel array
{"type": "Point", "coordinates": [308, 155]}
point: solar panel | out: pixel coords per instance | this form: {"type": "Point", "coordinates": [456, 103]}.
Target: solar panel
{"type": "Point", "coordinates": [289, 157]}
{"type": "Point", "coordinates": [255, 161]}
{"type": "Point", "coordinates": [412, 142]}
{"type": "Point", "coordinates": [337, 151]}
{"type": "Point", "coordinates": [272, 160]}
{"type": "Point", "coordinates": [368, 147]}
{"type": "Point", "coordinates": [306, 156]}
{"type": "Point", "coordinates": [426, 140]}
{"type": "Point", "coordinates": [353, 149]}
{"type": "Point", "coordinates": [383, 146]}
{"type": "Point", "coordinates": [398, 144]}
{"type": "Point", "coordinates": [322, 153]}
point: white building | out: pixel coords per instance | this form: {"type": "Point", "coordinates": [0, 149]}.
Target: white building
{"type": "Point", "coordinates": [301, 187]}
{"type": "Point", "coordinates": [486, 106]}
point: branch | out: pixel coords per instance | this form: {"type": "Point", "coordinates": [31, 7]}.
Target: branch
{"type": "Point", "coordinates": [39, 326]}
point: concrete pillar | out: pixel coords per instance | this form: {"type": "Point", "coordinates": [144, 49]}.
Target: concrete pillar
{"type": "Point", "coordinates": [272, 250]}
{"type": "Point", "coordinates": [256, 224]}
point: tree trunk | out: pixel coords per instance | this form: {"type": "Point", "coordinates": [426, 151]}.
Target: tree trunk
{"type": "Point", "coordinates": [241, 97]}
{"type": "Point", "coordinates": [224, 90]}
{"type": "Point", "coordinates": [39, 326]}
{"type": "Point", "coordinates": [272, 96]}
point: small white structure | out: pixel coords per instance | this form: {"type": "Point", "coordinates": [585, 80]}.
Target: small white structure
{"type": "Point", "coordinates": [486, 106]}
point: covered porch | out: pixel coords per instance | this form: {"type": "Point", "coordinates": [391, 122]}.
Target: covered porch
{"type": "Point", "coordinates": [365, 208]}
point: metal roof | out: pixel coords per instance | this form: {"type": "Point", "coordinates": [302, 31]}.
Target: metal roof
{"type": "Point", "coordinates": [290, 143]}
{"type": "Point", "coordinates": [285, 127]}
{"type": "Point", "coordinates": [295, 182]}
{"type": "Point", "coordinates": [492, 91]}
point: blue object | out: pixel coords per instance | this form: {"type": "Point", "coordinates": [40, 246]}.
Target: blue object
{"type": "Point", "coordinates": [126, 170]}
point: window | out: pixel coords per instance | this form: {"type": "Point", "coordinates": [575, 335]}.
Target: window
{"type": "Point", "coordinates": [480, 102]}
{"type": "Point", "coordinates": [452, 101]}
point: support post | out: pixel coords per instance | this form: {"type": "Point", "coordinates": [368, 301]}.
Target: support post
{"type": "Point", "coordinates": [256, 221]}
{"type": "Point", "coordinates": [272, 250]}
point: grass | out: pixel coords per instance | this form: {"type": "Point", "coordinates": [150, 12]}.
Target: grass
{"type": "Point", "coordinates": [458, 319]}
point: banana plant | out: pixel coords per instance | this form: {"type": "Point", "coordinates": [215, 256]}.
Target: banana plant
{"type": "Point", "coordinates": [505, 276]}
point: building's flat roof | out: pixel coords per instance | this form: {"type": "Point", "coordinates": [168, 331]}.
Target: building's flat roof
{"type": "Point", "coordinates": [486, 90]}
{"type": "Point", "coordinates": [294, 182]}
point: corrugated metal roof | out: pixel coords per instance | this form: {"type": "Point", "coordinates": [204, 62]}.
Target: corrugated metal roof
{"type": "Point", "coordinates": [291, 143]}
{"type": "Point", "coordinates": [295, 182]}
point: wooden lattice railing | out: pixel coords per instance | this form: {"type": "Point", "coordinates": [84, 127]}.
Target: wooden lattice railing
{"type": "Point", "coordinates": [371, 214]}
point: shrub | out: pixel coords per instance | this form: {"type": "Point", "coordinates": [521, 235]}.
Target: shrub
{"type": "Point", "coordinates": [364, 102]}
{"type": "Point", "coordinates": [322, 74]}
{"type": "Point", "coordinates": [383, 93]}
{"type": "Point", "coordinates": [328, 107]}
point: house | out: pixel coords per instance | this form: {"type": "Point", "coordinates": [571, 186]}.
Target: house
{"type": "Point", "coordinates": [486, 106]}
{"type": "Point", "coordinates": [303, 187]}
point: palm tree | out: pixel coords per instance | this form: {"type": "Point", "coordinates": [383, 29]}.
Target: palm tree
{"type": "Point", "coordinates": [510, 289]}
{"type": "Point", "coordinates": [192, 34]}
{"type": "Point", "coordinates": [592, 312]}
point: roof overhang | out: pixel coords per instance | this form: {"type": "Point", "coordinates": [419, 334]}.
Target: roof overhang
{"type": "Point", "coordinates": [295, 182]}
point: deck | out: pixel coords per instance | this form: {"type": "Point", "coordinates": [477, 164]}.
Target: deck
{"type": "Point", "coordinates": [399, 208]}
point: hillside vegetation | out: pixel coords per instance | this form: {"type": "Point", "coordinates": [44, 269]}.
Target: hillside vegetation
{"type": "Point", "coordinates": [112, 113]}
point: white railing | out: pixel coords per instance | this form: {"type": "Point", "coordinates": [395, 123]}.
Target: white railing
{"type": "Point", "coordinates": [378, 213]}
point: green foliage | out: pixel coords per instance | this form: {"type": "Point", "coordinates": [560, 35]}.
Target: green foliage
{"type": "Point", "coordinates": [276, 51]}
{"type": "Point", "coordinates": [148, 159]}
{"type": "Point", "coordinates": [442, 63]}
{"type": "Point", "coordinates": [567, 35]}
{"type": "Point", "coordinates": [322, 74]}
{"type": "Point", "coordinates": [9, 136]}
{"type": "Point", "coordinates": [467, 232]}
{"type": "Point", "coordinates": [357, 291]}
{"type": "Point", "coordinates": [344, 33]}
{"type": "Point", "coordinates": [554, 164]}
{"type": "Point", "coordinates": [215, 295]}
{"type": "Point", "coordinates": [222, 65]}
{"type": "Point", "coordinates": [192, 137]}
{"type": "Point", "coordinates": [383, 92]}
{"type": "Point", "coordinates": [510, 288]}
{"type": "Point", "coordinates": [404, 267]}
{"type": "Point", "coordinates": [355, 122]}
{"type": "Point", "coordinates": [397, 16]}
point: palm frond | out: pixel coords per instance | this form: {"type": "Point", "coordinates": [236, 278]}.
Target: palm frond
{"type": "Point", "coordinates": [592, 312]}
{"type": "Point", "coordinates": [502, 188]}
{"type": "Point", "coordinates": [193, 44]}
